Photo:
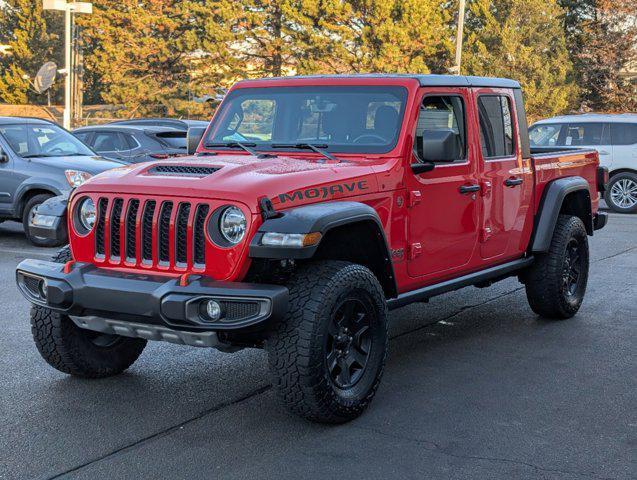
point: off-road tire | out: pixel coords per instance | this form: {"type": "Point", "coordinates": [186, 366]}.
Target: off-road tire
{"type": "Point", "coordinates": [546, 288]}
{"type": "Point", "coordinates": [630, 180]}
{"type": "Point", "coordinates": [73, 350]}
{"type": "Point", "coordinates": [38, 242]}
{"type": "Point", "coordinates": [298, 346]}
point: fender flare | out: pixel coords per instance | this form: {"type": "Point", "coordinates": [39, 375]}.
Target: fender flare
{"type": "Point", "coordinates": [322, 218]}
{"type": "Point", "coordinates": [550, 206]}
{"type": "Point", "coordinates": [30, 185]}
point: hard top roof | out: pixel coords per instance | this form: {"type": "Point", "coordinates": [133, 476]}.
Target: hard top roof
{"type": "Point", "coordinates": [424, 80]}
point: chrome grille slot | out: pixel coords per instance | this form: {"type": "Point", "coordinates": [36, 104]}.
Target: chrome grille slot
{"type": "Point", "coordinates": [181, 234]}
{"type": "Point", "coordinates": [131, 232]}
{"type": "Point", "coordinates": [199, 237]}
{"type": "Point", "coordinates": [100, 227]}
{"type": "Point", "coordinates": [116, 218]}
{"type": "Point", "coordinates": [147, 231]}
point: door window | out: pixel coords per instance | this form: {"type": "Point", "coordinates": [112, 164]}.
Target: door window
{"type": "Point", "coordinates": [624, 133]}
{"type": "Point", "coordinates": [109, 142]}
{"type": "Point", "coordinates": [496, 126]}
{"type": "Point", "coordinates": [445, 112]}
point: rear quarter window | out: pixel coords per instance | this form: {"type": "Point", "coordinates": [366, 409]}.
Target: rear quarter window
{"type": "Point", "coordinates": [623, 133]}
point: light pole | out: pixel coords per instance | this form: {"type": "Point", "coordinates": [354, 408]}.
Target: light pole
{"type": "Point", "coordinates": [459, 35]}
{"type": "Point", "coordinates": [69, 8]}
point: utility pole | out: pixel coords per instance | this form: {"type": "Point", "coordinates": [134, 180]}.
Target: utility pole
{"type": "Point", "coordinates": [459, 35]}
{"type": "Point", "coordinates": [69, 9]}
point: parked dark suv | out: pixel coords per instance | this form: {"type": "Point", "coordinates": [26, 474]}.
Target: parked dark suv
{"type": "Point", "coordinates": [39, 160]}
{"type": "Point", "coordinates": [135, 143]}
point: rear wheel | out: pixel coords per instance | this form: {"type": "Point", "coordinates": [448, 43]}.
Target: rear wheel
{"type": "Point", "coordinates": [621, 193]}
{"type": "Point", "coordinates": [77, 351]}
{"type": "Point", "coordinates": [556, 282]}
{"type": "Point", "coordinates": [328, 355]}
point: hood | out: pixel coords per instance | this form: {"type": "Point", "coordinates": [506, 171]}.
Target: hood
{"type": "Point", "coordinates": [286, 180]}
{"type": "Point", "coordinates": [88, 164]}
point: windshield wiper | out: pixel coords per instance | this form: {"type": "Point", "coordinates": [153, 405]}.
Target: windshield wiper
{"type": "Point", "coordinates": [306, 146]}
{"type": "Point", "coordinates": [244, 146]}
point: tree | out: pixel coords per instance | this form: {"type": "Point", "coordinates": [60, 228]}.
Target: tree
{"type": "Point", "coordinates": [524, 40]}
{"type": "Point", "coordinates": [147, 55]}
{"type": "Point", "coordinates": [23, 26]}
{"type": "Point", "coordinates": [603, 35]}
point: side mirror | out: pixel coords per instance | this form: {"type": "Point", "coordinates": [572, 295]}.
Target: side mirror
{"type": "Point", "coordinates": [195, 134]}
{"type": "Point", "coordinates": [439, 146]}
{"type": "Point", "coordinates": [4, 158]}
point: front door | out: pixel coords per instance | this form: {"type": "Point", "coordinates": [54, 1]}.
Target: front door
{"type": "Point", "coordinates": [506, 179]}
{"type": "Point", "coordinates": [444, 206]}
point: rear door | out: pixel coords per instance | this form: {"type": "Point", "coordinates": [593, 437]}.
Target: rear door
{"type": "Point", "coordinates": [624, 139]}
{"type": "Point", "coordinates": [594, 135]}
{"type": "Point", "coordinates": [506, 178]}
{"type": "Point", "coordinates": [111, 144]}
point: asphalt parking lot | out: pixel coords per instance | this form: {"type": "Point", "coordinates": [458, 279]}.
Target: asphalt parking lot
{"type": "Point", "coordinates": [476, 387]}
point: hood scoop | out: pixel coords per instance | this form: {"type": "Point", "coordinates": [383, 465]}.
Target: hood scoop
{"type": "Point", "coordinates": [182, 170]}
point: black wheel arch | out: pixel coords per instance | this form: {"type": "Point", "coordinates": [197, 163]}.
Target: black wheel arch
{"type": "Point", "coordinates": [350, 231]}
{"type": "Point", "coordinates": [570, 196]}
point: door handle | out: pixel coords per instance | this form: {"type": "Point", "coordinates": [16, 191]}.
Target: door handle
{"type": "Point", "coordinates": [604, 152]}
{"type": "Point", "coordinates": [513, 182]}
{"type": "Point", "coordinates": [469, 189]}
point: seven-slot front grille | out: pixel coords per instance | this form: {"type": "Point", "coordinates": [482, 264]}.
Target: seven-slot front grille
{"type": "Point", "coordinates": [152, 232]}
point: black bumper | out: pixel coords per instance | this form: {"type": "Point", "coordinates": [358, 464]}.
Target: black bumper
{"type": "Point", "coordinates": [54, 211]}
{"type": "Point", "coordinates": [152, 299]}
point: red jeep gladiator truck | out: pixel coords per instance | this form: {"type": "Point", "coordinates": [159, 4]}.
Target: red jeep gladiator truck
{"type": "Point", "coordinates": [312, 207]}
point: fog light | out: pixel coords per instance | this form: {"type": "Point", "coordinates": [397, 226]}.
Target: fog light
{"type": "Point", "coordinates": [42, 288]}
{"type": "Point", "coordinates": [213, 310]}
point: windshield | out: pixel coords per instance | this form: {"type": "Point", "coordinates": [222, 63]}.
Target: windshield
{"type": "Point", "coordinates": [39, 140]}
{"type": "Point", "coordinates": [339, 119]}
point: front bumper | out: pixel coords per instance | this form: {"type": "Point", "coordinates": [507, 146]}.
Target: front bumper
{"type": "Point", "coordinates": [135, 300]}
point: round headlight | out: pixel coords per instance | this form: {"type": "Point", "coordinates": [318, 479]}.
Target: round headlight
{"type": "Point", "coordinates": [232, 225]}
{"type": "Point", "coordinates": [87, 214]}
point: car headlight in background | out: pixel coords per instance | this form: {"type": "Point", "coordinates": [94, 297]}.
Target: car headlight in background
{"type": "Point", "coordinates": [76, 177]}
{"type": "Point", "coordinates": [232, 224]}
{"type": "Point", "coordinates": [86, 213]}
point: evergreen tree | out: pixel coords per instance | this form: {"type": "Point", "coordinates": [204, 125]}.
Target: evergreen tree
{"type": "Point", "coordinates": [148, 56]}
{"type": "Point", "coordinates": [23, 26]}
{"type": "Point", "coordinates": [524, 40]}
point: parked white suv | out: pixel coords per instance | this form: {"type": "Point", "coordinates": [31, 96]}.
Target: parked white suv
{"type": "Point", "coordinates": [613, 136]}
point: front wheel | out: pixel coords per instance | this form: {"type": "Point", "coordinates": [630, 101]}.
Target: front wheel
{"type": "Point", "coordinates": [556, 282]}
{"type": "Point", "coordinates": [327, 356]}
{"type": "Point", "coordinates": [76, 351]}
{"type": "Point", "coordinates": [621, 193]}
